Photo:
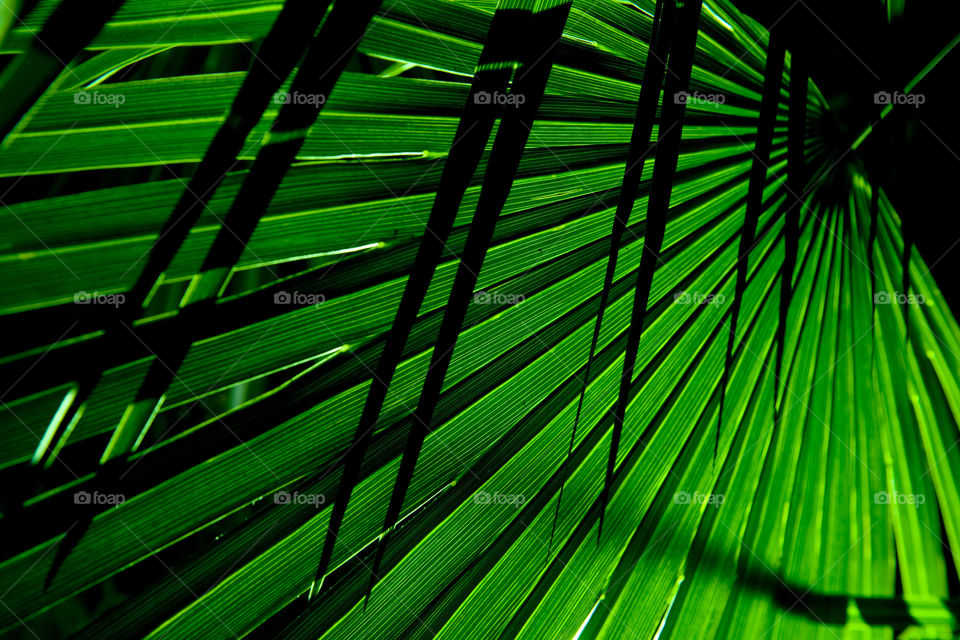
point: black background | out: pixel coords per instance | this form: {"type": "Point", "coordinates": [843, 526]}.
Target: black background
{"type": "Point", "coordinates": [852, 52]}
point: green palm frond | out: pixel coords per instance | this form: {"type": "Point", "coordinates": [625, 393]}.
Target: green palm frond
{"type": "Point", "coordinates": [459, 319]}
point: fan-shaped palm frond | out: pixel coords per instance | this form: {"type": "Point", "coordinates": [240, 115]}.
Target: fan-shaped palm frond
{"type": "Point", "coordinates": [422, 318]}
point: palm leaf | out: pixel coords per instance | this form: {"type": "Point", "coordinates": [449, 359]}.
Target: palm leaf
{"type": "Point", "coordinates": [548, 319]}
